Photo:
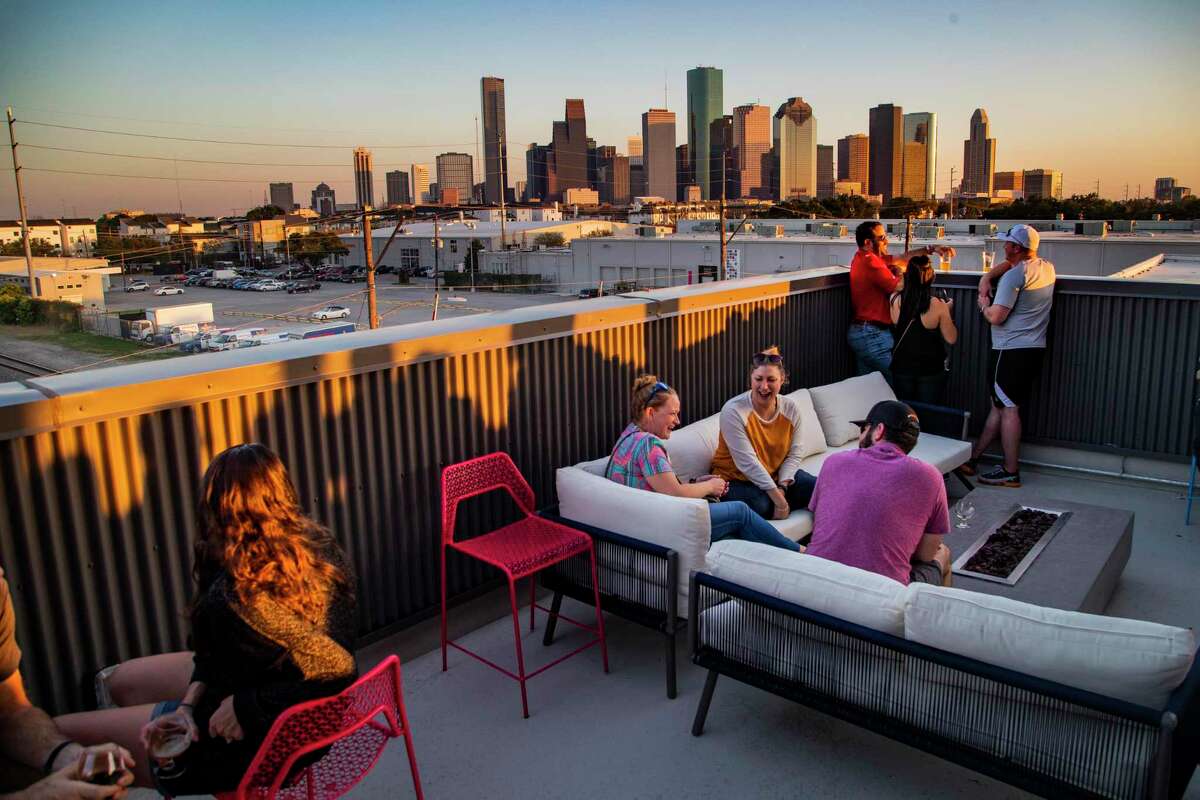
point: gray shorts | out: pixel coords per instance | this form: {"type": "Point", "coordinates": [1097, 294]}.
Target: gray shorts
{"type": "Point", "coordinates": [926, 572]}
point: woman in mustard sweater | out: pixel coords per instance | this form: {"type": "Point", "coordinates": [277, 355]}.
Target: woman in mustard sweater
{"type": "Point", "coordinates": [759, 447]}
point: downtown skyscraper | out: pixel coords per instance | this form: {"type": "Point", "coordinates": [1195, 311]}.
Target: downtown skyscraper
{"type": "Point", "coordinates": [854, 159]}
{"type": "Point", "coordinates": [454, 178]}
{"type": "Point", "coordinates": [397, 187]}
{"type": "Point", "coordinates": [495, 142]}
{"type": "Point", "coordinates": [364, 180]}
{"type": "Point", "coordinates": [887, 150]}
{"type": "Point", "coordinates": [569, 145]}
{"type": "Point", "coordinates": [752, 150]}
{"type": "Point", "coordinates": [658, 152]}
{"type": "Point", "coordinates": [920, 178]}
{"type": "Point", "coordinates": [281, 196]}
{"type": "Point", "coordinates": [979, 156]}
{"type": "Point", "coordinates": [420, 183]}
{"type": "Point", "coordinates": [794, 131]}
{"type": "Point", "coordinates": [705, 104]}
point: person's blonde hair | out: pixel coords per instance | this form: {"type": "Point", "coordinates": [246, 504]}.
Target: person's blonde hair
{"type": "Point", "coordinates": [644, 395]}
{"type": "Point", "coordinates": [251, 526]}
{"type": "Point", "coordinates": [757, 361]}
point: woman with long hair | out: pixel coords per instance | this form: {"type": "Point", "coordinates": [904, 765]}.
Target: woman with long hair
{"type": "Point", "coordinates": [923, 325]}
{"type": "Point", "coordinates": [759, 449]}
{"type": "Point", "coordinates": [639, 459]}
{"type": "Point", "coordinates": [271, 625]}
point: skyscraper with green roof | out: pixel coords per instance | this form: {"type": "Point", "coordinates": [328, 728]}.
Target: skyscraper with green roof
{"type": "Point", "coordinates": [705, 104]}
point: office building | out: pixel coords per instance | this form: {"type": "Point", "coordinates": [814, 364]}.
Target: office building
{"type": "Point", "coordinates": [364, 180]}
{"type": "Point", "coordinates": [854, 158]}
{"type": "Point", "coordinates": [397, 188]}
{"type": "Point", "coordinates": [519, 190]}
{"type": "Point", "coordinates": [1179, 193]}
{"type": "Point", "coordinates": [825, 170]}
{"type": "Point", "coordinates": [569, 142]}
{"type": "Point", "coordinates": [1012, 181]}
{"type": "Point", "coordinates": [705, 103]}
{"type": "Point", "coordinates": [979, 156]}
{"type": "Point", "coordinates": [886, 165]}
{"type": "Point", "coordinates": [612, 176]}
{"type": "Point", "coordinates": [576, 196]}
{"type": "Point", "coordinates": [683, 172]}
{"type": "Point", "coordinates": [455, 172]}
{"type": "Point", "coordinates": [658, 153]}
{"type": "Point", "coordinates": [495, 142]}
{"type": "Point", "coordinates": [1164, 189]}
{"type": "Point", "coordinates": [794, 132]}
{"type": "Point", "coordinates": [912, 182]}
{"type": "Point", "coordinates": [637, 179]}
{"type": "Point", "coordinates": [921, 126]}
{"type": "Point", "coordinates": [539, 172]}
{"type": "Point", "coordinates": [324, 200]}
{"type": "Point", "coordinates": [721, 135]}
{"type": "Point", "coordinates": [634, 145]}
{"type": "Point", "coordinates": [592, 164]}
{"type": "Point", "coordinates": [420, 183]}
{"type": "Point", "coordinates": [1042, 183]}
{"type": "Point", "coordinates": [281, 196]}
{"type": "Point", "coordinates": [751, 148]}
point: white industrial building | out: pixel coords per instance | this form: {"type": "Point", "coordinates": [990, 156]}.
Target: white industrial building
{"type": "Point", "coordinates": [72, 237]}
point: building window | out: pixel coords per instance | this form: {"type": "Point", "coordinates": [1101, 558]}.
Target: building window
{"type": "Point", "coordinates": [454, 245]}
{"type": "Point", "coordinates": [410, 259]}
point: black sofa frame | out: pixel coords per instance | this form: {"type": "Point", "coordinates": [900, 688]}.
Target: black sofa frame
{"type": "Point", "coordinates": [1171, 736]}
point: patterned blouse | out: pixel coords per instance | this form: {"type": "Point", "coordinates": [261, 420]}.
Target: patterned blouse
{"type": "Point", "coordinates": [636, 456]}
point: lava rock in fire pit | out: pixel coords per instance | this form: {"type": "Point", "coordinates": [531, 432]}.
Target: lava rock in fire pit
{"type": "Point", "coordinates": [1011, 542]}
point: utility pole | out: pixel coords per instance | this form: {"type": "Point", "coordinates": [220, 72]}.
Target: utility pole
{"type": "Point", "coordinates": [369, 256]}
{"type": "Point", "coordinates": [1139, 197]}
{"type": "Point", "coordinates": [952, 193]}
{"type": "Point", "coordinates": [721, 224]}
{"type": "Point", "coordinates": [436, 264]}
{"type": "Point", "coordinates": [907, 233]}
{"type": "Point", "coordinates": [1127, 193]}
{"type": "Point", "coordinates": [1097, 188]}
{"type": "Point", "coordinates": [12, 138]}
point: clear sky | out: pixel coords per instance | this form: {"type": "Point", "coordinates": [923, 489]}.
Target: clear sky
{"type": "Point", "coordinates": [1101, 90]}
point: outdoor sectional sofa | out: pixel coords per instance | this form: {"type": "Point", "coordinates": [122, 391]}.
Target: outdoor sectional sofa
{"type": "Point", "coordinates": [648, 544]}
{"type": "Point", "coordinates": [1061, 703]}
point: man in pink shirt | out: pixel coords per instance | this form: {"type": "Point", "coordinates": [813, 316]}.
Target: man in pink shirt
{"type": "Point", "coordinates": [877, 509]}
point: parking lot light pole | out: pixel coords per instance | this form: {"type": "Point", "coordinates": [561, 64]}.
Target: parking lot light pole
{"type": "Point", "coordinates": [368, 255]}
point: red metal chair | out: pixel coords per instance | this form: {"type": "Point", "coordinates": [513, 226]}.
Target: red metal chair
{"type": "Point", "coordinates": [519, 550]}
{"type": "Point", "coordinates": [347, 724]}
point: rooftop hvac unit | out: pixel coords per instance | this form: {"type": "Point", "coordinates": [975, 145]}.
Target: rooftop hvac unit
{"type": "Point", "coordinates": [1124, 226]}
{"type": "Point", "coordinates": [1093, 228]}
{"type": "Point", "coordinates": [832, 230]}
{"type": "Point", "coordinates": [929, 232]}
{"type": "Point", "coordinates": [982, 229]}
{"type": "Point", "coordinates": [769, 231]}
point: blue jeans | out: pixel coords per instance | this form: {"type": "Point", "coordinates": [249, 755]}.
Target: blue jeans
{"type": "Point", "coordinates": [733, 519]}
{"type": "Point", "coordinates": [798, 494]}
{"type": "Point", "coordinates": [872, 348]}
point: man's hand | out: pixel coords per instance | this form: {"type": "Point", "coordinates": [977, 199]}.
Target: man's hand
{"type": "Point", "coordinates": [224, 722]}
{"type": "Point", "coordinates": [782, 509]}
{"type": "Point", "coordinates": [944, 250]}
{"type": "Point", "coordinates": [69, 784]}
{"type": "Point", "coordinates": [179, 718]}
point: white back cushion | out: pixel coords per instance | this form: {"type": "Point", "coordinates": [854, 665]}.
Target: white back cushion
{"type": "Point", "coordinates": [675, 522]}
{"type": "Point", "coordinates": [944, 453]}
{"type": "Point", "coordinates": [691, 447]}
{"type": "Point", "coordinates": [812, 435]}
{"type": "Point", "coordinates": [844, 592]}
{"type": "Point", "coordinates": [838, 403]}
{"type": "Point", "coordinates": [1124, 658]}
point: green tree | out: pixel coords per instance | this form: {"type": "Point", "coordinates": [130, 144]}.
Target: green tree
{"type": "Point", "coordinates": [313, 248]}
{"type": "Point", "coordinates": [37, 247]}
{"type": "Point", "coordinates": [550, 239]}
{"type": "Point", "coordinates": [264, 212]}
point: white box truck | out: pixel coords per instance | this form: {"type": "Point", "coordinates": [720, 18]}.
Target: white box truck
{"type": "Point", "coordinates": [159, 322]}
{"type": "Point", "coordinates": [231, 340]}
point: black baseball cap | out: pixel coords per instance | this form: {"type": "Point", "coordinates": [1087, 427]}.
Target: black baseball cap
{"type": "Point", "coordinates": [894, 415]}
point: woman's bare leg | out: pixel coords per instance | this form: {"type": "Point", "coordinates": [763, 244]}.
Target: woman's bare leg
{"type": "Point", "coordinates": [152, 679]}
{"type": "Point", "coordinates": [120, 725]}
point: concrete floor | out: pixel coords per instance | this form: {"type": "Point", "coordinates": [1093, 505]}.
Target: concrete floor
{"type": "Point", "coordinates": [592, 735]}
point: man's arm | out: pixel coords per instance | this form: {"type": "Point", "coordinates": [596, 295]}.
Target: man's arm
{"type": "Point", "coordinates": [28, 734]}
{"type": "Point", "coordinates": [987, 284]}
{"type": "Point", "coordinates": [929, 545]}
{"type": "Point", "coordinates": [902, 259]}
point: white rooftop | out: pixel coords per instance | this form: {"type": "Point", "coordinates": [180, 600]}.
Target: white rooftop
{"type": "Point", "coordinates": [466, 228]}
{"type": "Point", "coordinates": [1165, 269]}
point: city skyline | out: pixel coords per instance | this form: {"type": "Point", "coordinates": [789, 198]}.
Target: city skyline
{"type": "Point", "coordinates": [1039, 117]}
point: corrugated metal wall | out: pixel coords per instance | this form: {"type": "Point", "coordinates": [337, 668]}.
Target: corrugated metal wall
{"type": "Point", "coordinates": [97, 520]}
{"type": "Point", "coordinates": [97, 486]}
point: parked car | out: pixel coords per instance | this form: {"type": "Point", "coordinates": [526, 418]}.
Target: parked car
{"type": "Point", "coordinates": [270, 285]}
{"type": "Point", "coordinates": [330, 274]}
{"type": "Point", "coordinates": [137, 286]}
{"type": "Point", "coordinates": [354, 276]}
{"type": "Point", "coordinates": [169, 290]}
{"type": "Point", "coordinates": [332, 312]}
{"type": "Point", "coordinates": [296, 287]}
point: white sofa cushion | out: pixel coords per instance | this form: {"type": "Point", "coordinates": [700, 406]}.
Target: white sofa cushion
{"type": "Point", "coordinates": [1141, 662]}
{"type": "Point", "coordinates": [691, 447]}
{"type": "Point", "coordinates": [812, 435]}
{"type": "Point", "coordinates": [848, 593]}
{"type": "Point", "coordinates": [675, 522]}
{"type": "Point", "coordinates": [838, 403]}
{"type": "Point", "coordinates": [796, 526]}
{"type": "Point", "coordinates": [942, 452]}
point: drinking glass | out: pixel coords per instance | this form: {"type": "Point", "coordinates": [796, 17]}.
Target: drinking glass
{"type": "Point", "coordinates": [964, 509]}
{"type": "Point", "coordinates": [988, 257]}
{"type": "Point", "coordinates": [168, 742]}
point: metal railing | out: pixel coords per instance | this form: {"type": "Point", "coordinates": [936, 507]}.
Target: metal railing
{"type": "Point", "coordinates": [98, 469]}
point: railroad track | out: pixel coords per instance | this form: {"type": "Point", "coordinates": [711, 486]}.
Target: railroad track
{"type": "Point", "coordinates": [23, 367]}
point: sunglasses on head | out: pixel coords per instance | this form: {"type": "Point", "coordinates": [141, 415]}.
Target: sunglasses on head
{"type": "Point", "coordinates": [658, 387]}
{"type": "Point", "coordinates": [767, 358]}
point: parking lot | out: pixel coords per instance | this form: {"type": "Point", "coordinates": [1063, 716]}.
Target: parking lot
{"type": "Point", "coordinates": [399, 304]}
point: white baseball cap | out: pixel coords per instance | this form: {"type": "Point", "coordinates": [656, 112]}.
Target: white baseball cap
{"type": "Point", "coordinates": [1023, 235]}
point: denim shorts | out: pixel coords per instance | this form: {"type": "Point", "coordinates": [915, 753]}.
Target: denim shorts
{"type": "Point", "coordinates": [164, 708]}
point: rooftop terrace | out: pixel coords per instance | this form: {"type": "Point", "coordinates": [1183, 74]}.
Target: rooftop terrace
{"type": "Point", "coordinates": [97, 471]}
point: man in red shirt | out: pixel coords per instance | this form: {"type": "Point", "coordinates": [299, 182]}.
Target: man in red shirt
{"type": "Point", "coordinates": [874, 275]}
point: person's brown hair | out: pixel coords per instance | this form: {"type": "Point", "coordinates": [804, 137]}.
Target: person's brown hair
{"type": "Point", "coordinates": [769, 357]}
{"type": "Point", "coordinates": [648, 392]}
{"type": "Point", "coordinates": [250, 524]}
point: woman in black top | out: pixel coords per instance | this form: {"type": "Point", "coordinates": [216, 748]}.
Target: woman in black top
{"type": "Point", "coordinates": [272, 625]}
{"type": "Point", "coordinates": [923, 325]}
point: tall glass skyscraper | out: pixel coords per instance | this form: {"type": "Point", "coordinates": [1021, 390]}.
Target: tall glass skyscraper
{"type": "Point", "coordinates": [921, 127]}
{"type": "Point", "coordinates": [794, 130]}
{"type": "Point", "coordinates": [495, 142]}
{"type": "Point", "coordinates": [364, 182]}
{"type": "Point", "coordinates": [705, 105]}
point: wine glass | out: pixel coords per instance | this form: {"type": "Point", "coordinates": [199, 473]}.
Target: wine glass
{"type": "Point", "coordinates": [964, 509]}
